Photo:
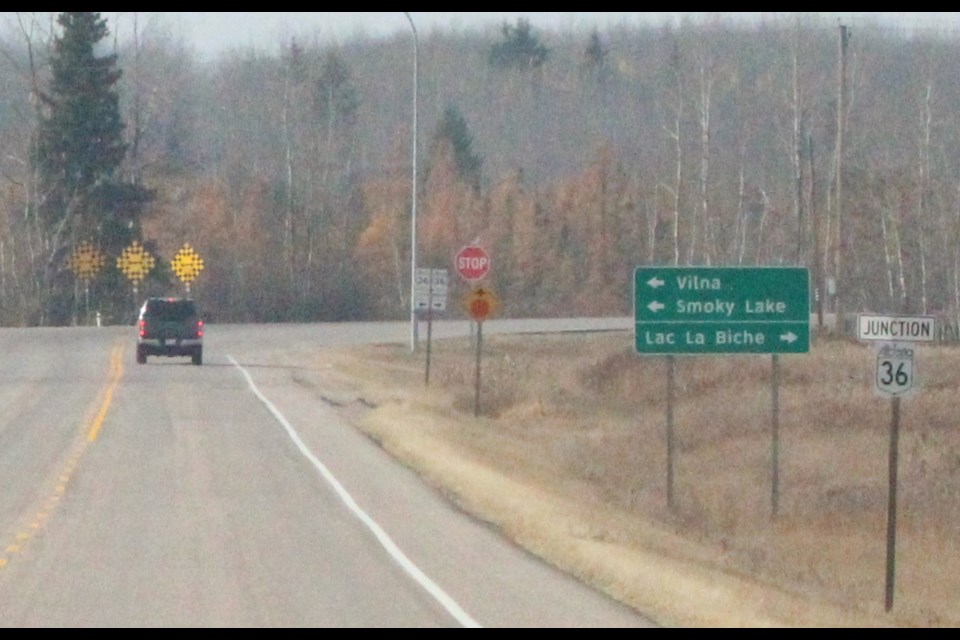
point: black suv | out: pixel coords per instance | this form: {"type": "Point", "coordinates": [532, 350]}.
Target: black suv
{"type": "Point", "coordinates": [169, 327]}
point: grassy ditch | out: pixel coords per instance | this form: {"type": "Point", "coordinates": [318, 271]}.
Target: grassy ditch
{"type": "Point", "coordinates": [581, 420]}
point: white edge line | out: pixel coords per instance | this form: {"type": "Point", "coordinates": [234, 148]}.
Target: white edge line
{"type": "Point", "coordinates": [429, 586]}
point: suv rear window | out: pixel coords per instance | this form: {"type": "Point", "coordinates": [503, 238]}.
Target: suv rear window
{"type": "Point", "coordinates": [170, 310]}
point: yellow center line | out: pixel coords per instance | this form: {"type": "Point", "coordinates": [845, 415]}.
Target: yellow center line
{"type": "Point", "coordinates": [116, 371]}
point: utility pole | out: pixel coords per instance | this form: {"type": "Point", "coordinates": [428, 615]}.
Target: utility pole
{"type": "Point", "coordinates": [413, 190]}
{"type": "Point", "coordinates": [818, 257]}
{"type": "Point", "coordinates": [844, 39]}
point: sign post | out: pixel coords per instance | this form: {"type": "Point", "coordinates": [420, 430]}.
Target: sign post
{"type": "Point", "coordinates": [430, 294]}
{"type": "Point", "coordinates": [894, 379]}
{"type": "Point", "coordinates": [85, 261]}
{"type": "Point", "coordinates": [722, 310]}
{"type": "Point", "coordinates": [480, 303]}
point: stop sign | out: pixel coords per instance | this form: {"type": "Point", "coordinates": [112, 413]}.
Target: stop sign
{"type": "Point", "coordinates": [472, 263]}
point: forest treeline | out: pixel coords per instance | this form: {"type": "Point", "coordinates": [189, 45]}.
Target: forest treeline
{"type": "Point", "coordinates": [572, 157]}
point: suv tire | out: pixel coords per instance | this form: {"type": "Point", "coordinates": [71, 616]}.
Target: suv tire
{"type": "Point", "coordinates": [141, 356]}
{"type": "Point", "coordinates": [198, 356]}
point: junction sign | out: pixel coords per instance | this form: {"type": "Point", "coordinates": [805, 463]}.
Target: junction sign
{"type": "Point", "coordinates": [896, 328]}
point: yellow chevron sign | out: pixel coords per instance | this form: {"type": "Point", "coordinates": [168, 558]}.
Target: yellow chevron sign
{"type": "Point", "coordinates": [187, 264]}
{"type": "Point", "coordinates": [85, 261]}
{"type": "Point", "coordinates": [135, 262]}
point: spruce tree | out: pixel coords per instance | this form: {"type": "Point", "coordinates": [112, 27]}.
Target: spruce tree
{"type": "Point", "coordinates": [520, 48]}
{"type": "Point", "coordinates": [335, 98]}
{"type": "Point", "coordinates": [81, 137]}
{"type": "Point", "coordinates": [80, 147]}
{"type": "Point", "coordinates": [453, 129]}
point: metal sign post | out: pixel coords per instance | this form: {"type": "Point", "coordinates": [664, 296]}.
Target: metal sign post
{"type": "Point", "coordinates": [430, 294]}
{"type": "Point", "coordinates": [722, 310]}
{"type": "Point", "coordinates": [892, 501]}
{"type": "Point", "coordinates": [775, 437]}
{"type": "Point", "coordinates": [85, 262]}
{"type": "Point", "coordinates": [480, 304]}
{"type": "Point", "coordinates": [476, 379]}
{"type": "Point", "coordinates": [895, 378]}
{"type": "Point", "coordinates": [671, 392]}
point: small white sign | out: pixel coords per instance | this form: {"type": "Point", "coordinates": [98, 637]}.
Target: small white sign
{"type": "Point", "coordinates": [896, 328]}
{"type": "Point", "coordinates": [437, 303]}
{"type": "Point", "coordinates": [430, 291]}
{"type": "Point", "coordinates": [895, 376]}
{"type": "Point", "coordinates": [435, 277]}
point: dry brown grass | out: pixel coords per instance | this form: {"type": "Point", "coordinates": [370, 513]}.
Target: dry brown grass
{"type": "Point", "coordinates": [568, 457]}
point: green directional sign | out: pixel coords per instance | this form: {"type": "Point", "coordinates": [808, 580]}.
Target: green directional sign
{"type": "Point", "coordinates": [703, 310]}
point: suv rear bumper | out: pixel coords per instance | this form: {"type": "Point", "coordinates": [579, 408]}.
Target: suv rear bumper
{"type": "Point", "coordinates": [169, 346]}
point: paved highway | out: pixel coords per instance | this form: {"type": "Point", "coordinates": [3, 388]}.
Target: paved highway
{"type": "Point", "coordinates": [232, 495]}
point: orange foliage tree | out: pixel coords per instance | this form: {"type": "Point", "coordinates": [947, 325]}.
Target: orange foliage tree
{"type": "Point", "coordinates": [518, 240]}
{"type": "Point", "coordinates": [602, 241]}
{"type": "Point", "coordinates": [453, 214]}
{"type": "Point", "coordinates": [382, 251]}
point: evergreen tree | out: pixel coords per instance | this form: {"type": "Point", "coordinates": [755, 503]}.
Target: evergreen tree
{"type": "Point", "coordinates": [81, 138]}
{"type": "Point", "coordinates": [520, 48]}
{"type": "Point", "coordinates": [595, 68]}
{"type": "Point", "coordinates": [79, 150]}
{"type": "Point", "coordinates": [595, 56]}
{"type": "Point", "coordinates": [452, 129]}
{"type": "Point", "coordinates": [335, 98]}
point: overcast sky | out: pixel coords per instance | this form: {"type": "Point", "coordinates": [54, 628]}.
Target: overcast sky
{"type": "Point", "coordinates": [210, 33]}
{"type": "Point", "coordinates": [216, 32]}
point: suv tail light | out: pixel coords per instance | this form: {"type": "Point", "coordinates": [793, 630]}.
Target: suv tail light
{"type": "Point", "coordinates": [199, 328]}
{"type": "Point", "coordinates": [143, 328]}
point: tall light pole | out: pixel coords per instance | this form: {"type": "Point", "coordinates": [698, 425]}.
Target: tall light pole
{"type": "Point", "coordinates": [413, 195]}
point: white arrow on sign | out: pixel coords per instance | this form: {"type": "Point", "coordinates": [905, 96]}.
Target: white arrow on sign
{"type": "Point", "coordinates": [655, 306]}
{"type": "Point", "coordinates": [789, 337]}
{"type": "Point", "coordinates": [655, 282]}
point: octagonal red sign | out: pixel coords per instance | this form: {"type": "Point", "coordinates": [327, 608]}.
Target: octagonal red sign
{"type": "Point", "coordinates": [472, 263]}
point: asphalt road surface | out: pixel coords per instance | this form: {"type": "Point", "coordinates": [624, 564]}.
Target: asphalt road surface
{"type": "Point", "coordinates": [231, 495]}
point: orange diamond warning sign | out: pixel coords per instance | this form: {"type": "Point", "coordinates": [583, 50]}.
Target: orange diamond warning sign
{"type": "Point", "coordinates": [481, 303]}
